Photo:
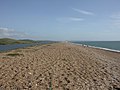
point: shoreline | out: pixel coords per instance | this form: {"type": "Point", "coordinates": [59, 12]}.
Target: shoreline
{"type": "Point", "coordinates": [68, 65]}
{"type": "Point", "coordinates": [101, 48]}
{"type": "Point", "coordinates": [19, 46]}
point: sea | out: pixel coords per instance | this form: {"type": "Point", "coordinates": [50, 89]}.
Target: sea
{"type": "Point", "coordinates": [107, 45]}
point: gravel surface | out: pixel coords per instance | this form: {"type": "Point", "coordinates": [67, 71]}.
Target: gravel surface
{"type": "Point", "coordinates": [59, 66]}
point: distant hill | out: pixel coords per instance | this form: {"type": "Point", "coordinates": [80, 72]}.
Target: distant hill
{"type": "Point", "coordinates": [5, 41]}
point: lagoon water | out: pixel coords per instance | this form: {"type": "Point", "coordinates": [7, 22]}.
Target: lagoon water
{"type": "Point", "coordinates": [115, 45]}
{"type": "Point", "coordinates": [15, 46]}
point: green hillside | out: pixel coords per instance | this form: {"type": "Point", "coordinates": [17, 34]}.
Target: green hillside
{"type": "Point", "coordinates": [5, 41]}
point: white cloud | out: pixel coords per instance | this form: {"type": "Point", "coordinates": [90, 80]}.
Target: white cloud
{"type": "Point", "coordinates": [115, 19]}
{"type": "Point", "coordinates": [83, 11]}
{"type": "Point", "coordinates": [11, 33]}
{"type": "Point", "coordinates": [69, 19]}
{"type": "Point", "coordinates": [115, 16]}
{"type": "Point", "coordinates": [75, 19]}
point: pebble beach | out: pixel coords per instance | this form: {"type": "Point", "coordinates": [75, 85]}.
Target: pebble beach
{"type": "Point", "coordinates": [59, 66]}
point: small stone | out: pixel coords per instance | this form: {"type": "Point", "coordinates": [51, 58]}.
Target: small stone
{"type": "Point", "coordinates": [29, 73]}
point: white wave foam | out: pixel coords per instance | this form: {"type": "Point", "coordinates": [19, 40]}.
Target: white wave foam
{"type": "Point", "coordinates": [107, 49]}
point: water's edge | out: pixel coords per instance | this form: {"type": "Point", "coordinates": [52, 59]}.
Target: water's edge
{"type": "Point", "coordinates": [4, 48]}
{"type": "Point", "coordinates": [107, 49]}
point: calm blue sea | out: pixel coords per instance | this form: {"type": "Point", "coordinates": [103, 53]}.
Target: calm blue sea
{"type": "Point", "coordinates": [115, 45]}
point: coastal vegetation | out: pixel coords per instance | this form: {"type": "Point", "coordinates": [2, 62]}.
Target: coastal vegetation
{"type": "Point", "coordinates": [14, 54]}
{"type": "Point", "coordinates": [5, 41]}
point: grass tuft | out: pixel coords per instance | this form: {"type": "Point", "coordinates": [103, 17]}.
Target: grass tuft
{"type": "Point", "coordinates": [14, 54]}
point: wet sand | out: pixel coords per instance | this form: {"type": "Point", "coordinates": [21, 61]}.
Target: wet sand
{"type": "Point", "coordinates": [59, 66]}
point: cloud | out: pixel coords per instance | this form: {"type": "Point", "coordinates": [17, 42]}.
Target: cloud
{"type": "Point", "coordinates": [115, 16]}
{"type": "Point", "coordinates": [11, 33]}
{"type": "Point", "coordinates": [115, 19]}
{"type": "Point", "coordinates": [69, 19]}
{"type": "Point", "coordinates": [83, 11]}
{"type": "Point", "coordinates": [75, 19]}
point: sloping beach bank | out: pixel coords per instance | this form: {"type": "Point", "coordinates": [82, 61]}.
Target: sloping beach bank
{"type": "Point", "coordinates": [59, 66]}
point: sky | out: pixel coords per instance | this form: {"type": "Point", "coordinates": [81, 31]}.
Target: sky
{"type": "Point", "coordinates": [79, 20]}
